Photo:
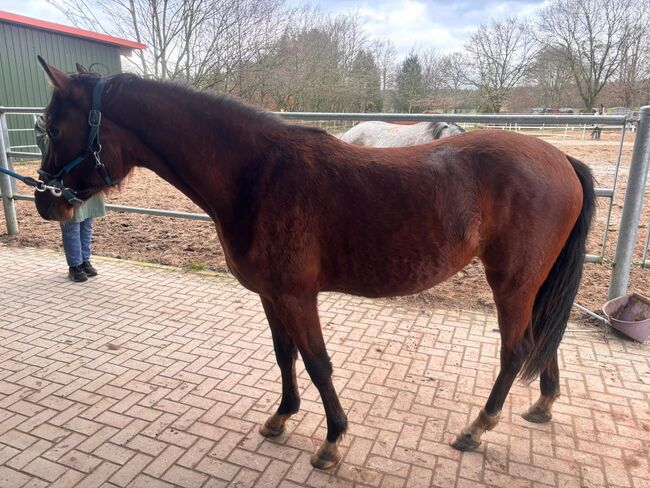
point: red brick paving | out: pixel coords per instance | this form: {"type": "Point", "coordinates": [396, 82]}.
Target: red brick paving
{"type": "Point", "coordinates": [151, 377]}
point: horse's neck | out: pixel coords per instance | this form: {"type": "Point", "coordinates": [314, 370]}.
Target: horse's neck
{"type": "Point", "coordinates": [202, 148]}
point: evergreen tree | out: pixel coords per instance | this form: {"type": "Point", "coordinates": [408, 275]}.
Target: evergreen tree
{"type": "Point", "coordinates": [410, 84]}
{"type": "Point", "coordinates": [364, 83]}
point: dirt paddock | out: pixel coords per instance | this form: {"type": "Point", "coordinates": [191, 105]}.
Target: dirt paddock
{"type": "Point", "coordinates": [194, 245]}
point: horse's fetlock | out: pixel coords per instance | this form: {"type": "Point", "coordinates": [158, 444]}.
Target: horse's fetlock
{"type": "Point", "coordinates": [289, 407]}
{"type": "Point", "coordinates": [337, 427]}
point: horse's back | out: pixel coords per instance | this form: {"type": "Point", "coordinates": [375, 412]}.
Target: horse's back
{"type": "Point", "coordinates": [488, 161]}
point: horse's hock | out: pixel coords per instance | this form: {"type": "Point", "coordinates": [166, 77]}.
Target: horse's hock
{"type": "Point", "coordinates": [164, 377]}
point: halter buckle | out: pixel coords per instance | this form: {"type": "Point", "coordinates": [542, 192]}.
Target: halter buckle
{"type": "Point", "coordinates": [94, 118]}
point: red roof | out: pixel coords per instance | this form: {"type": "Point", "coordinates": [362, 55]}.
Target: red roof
{"type": "Point", "coordinates": [71, 31]}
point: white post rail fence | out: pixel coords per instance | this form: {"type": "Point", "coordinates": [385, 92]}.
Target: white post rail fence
{"type": "Point", "coordinates": [633, 197]}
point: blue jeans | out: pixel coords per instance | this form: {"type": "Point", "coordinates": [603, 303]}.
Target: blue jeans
{"type": "Point", "coordinates": [76, 241]}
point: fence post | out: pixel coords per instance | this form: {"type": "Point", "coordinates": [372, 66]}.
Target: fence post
{"type": "Point", "coordinates": [5, 185]}
{"type": "Point", "coordinates": [631, 208]}
{"type": "Point", "coordinates": [4, 130]}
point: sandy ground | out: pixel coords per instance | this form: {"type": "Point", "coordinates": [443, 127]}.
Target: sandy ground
{"type": "Point", "coordinates": [194, 245]}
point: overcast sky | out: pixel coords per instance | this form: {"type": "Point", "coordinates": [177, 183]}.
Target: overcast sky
{"type": "Point", "coordinates": [441, 24]}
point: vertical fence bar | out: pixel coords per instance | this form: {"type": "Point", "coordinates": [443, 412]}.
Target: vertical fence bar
{"type": "Point", "coordinates": [5, 185]}
{"type": "Point", "coordinates": [4, 132]}
{"type": "Point", "coordinates": [611, 198]}
{"type": "Point", "coordinates": [646, 262]}
{"type": "Point", "coordinates": [632, 207]}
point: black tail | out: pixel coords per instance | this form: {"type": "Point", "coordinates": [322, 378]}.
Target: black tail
{"type": "Point", "coordinates": [555, 298]}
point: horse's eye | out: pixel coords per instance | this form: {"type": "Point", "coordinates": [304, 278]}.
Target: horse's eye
{"type": "Point", "coordinates": [53, 132]}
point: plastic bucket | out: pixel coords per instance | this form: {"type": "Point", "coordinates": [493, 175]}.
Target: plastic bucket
{"type": "Point", "coordinates": [630, 314]}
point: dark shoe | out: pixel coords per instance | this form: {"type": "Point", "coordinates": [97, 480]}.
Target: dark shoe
{"type": "Point", "coordinates": [77, 273]}
{"type": "Point", "coordinates": [89, 269]}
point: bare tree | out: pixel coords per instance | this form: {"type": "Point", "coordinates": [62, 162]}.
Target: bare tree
{"type": "Point", "coordinates": [551, 75]}
{"type": "Point", "coordinates": [348, 34]}
{"type": "Point", "coordinates": [593, 36]}
{"type": "Point", "coordinates": [634, 71]}
{"type": "Point", "coordinates": [501, 54]}
{"type": "Point", "coordinates": [319, 63]}
{"type": "Point", "coordinates": [455, 67]}
{"type": "Point", "coordinates": [456, 70]}
{"type": "Point", "coordinates": [384, 52]}
{"type": "Point", "coordinates": [202, 41]}
{"type": "Point", "coordinates": [433, 71]}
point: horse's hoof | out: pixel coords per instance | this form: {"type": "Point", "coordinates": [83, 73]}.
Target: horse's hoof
{"type": "Point", "coordinates": [270, 432]}
{"type": "Point", "coordinates": [465, 441]}
{"type": "Point", "coordinates": [327, 457]}
{"type": "Point", "coordinates": [537, 415]}
{"type": "Point", "coordinates": [274, 426]}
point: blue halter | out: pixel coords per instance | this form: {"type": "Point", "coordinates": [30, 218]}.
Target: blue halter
{"type": "Point", "coordinates": [93, 147]}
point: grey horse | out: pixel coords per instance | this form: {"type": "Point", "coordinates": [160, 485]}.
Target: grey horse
{"type": "Point", "coordinates": [382, 134]}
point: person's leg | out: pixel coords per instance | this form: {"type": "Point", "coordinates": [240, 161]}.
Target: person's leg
{"type": "Point", "coordinates": [72, 249]}
{"type": "Point", "coordinates": [71, 243]}
{"type": "Point", "coordinates": [85, 237]}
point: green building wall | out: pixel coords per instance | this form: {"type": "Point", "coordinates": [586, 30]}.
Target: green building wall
{"type": "Point", "coordinates": [22, 81]}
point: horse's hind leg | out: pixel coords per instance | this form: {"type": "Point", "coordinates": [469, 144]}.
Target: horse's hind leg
{"type": "Point", "coordinates": [285, 354]}
{"type": "Point", "coordinates": [514, 313]}
{"type": "Point", "coordinates": [299, 315]}
{"type": "Point", "coordinates": [549, 385]}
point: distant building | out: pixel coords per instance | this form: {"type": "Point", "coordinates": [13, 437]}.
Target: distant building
{"type": "Point", "coordinates": [22, 81]}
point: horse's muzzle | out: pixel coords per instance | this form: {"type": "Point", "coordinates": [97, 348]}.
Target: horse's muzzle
{"type": "Point", "coordinates": [51, 207]}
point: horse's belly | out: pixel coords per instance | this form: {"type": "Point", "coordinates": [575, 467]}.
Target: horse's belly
{"type": "Point", "coordinates": [397, 276]}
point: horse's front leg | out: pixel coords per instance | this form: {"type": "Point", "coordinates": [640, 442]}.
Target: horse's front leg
{"type": "Point", "coordinates": [285, 354]}
{"type": "Point", "coordinates": [299, 315]}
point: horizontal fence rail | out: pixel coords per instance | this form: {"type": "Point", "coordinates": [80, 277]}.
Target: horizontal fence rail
{"type": "Point", "coordinates": [22, 110]}
{"type": "Point", "coordinates": [476, 118]}
{"type": "Point", "coordinates": [479, 118]}
{"type": "Point", "coordinates": [156, 212]}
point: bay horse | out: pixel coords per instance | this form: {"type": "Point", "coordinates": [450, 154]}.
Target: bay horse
{"type": "Point", "coordinates": [374, 133]}
{"type": "Point", "coordinates": [298, 212]}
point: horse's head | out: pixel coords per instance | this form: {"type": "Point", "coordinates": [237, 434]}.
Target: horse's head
{"type": "Point", "coordinates": [73, 165]}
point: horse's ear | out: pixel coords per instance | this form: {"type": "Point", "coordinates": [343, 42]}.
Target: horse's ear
{"type": "Point", "coordinates": [57, 78]}
{"type": "Point", "coordinates": [81, 68]}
